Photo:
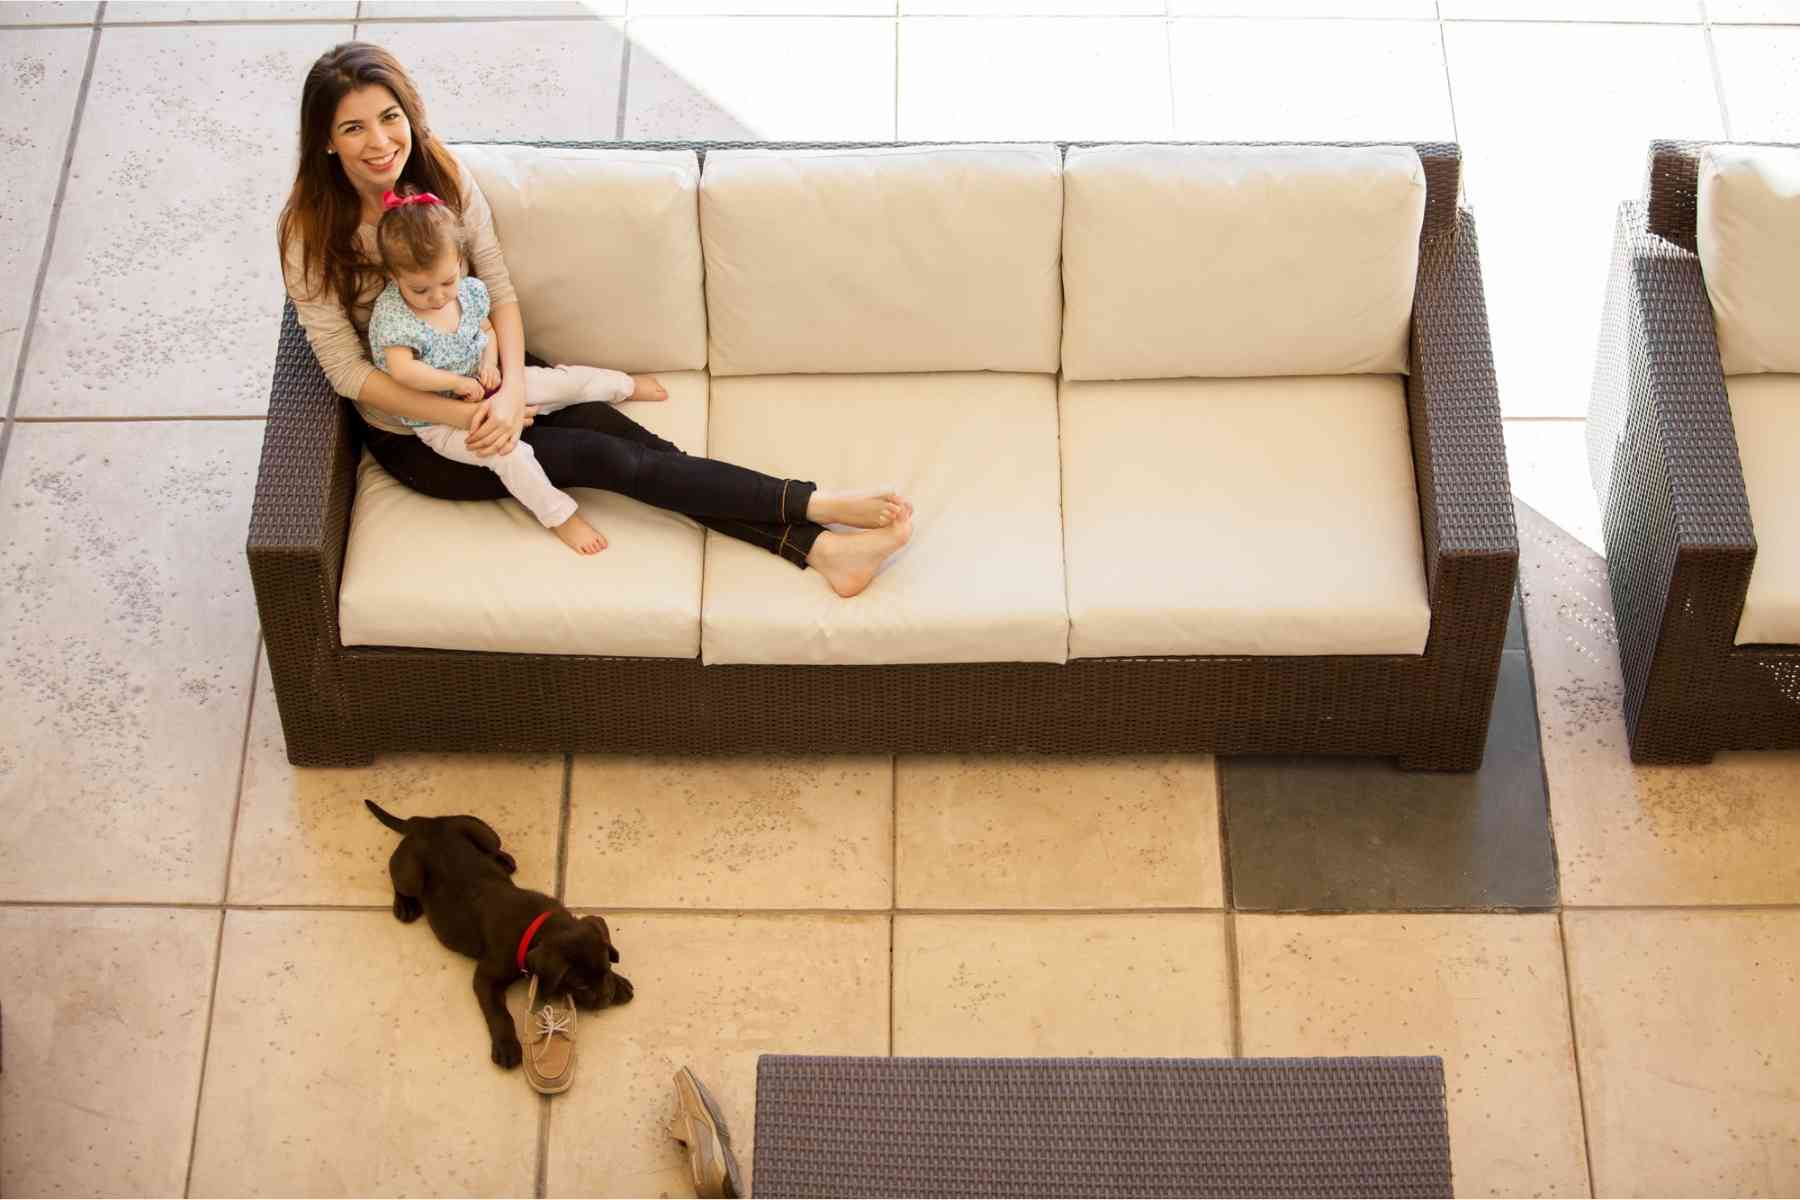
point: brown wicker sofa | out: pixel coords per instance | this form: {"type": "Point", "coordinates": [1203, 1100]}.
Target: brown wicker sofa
{"type": "Point", "coordinates": [1664, 455]}
{"type": "Point", "coordinates": [343, 704]}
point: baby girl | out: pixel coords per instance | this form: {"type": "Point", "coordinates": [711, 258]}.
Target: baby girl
{"type": "Point", "coordinates": [430, 331]}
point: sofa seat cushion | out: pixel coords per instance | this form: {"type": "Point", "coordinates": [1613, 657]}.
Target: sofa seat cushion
{"type": "Point", "coordinates": [1241, 517]}
{"type": "Point", "coordinates": [982, 580]}
{"type": "Point", "coordinates": [1747, 231]}
{"type": "Point", "coordinates": [484, 575]}
{"type": "Point", "coordinates": [1214, 261]}
{"type": "Point", "coordinates": [907, 258]}
{"type": "Point", "coordinates": [1765, 410]}
{"type": "Point", "coordinates": [603, 247]}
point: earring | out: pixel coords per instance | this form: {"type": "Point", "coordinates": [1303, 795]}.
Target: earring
{"type": "Point", "coordinates": [329, 150]}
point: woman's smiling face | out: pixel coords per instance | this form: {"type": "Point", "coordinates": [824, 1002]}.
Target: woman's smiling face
{"type": "Point", "coordinates": [372, 138]}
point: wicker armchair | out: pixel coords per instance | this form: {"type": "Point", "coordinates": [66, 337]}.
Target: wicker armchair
{"type": "Point", "coordinates": [344, 704]}
{"type": "Point", "coordinates": [1663, 453]}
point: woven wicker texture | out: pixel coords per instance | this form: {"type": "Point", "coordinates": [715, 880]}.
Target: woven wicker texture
{"type": "Point", "coordinates": [1101, 1127]}
{"type": "Point", "coordinates": [1663, 454]}
{"type": "Point", "coordinates": [342, 705]}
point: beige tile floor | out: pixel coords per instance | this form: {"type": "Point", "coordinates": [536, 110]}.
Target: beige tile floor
{"type": "Point", "coordinates": [205, 991]}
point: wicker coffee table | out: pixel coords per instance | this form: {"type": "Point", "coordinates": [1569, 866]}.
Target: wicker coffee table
{"type": "Point", "coordinates": [1100, 1127]}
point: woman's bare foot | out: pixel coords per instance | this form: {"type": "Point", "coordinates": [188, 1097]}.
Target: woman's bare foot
{"type": "Point", "coordinates": [848, 561]}
{"type": "Point", "coordinates": [865, 510]}
{"type": "Point", "coordinates": [647, 388]}
{"type": "Point", "coordinates": [579, 536]}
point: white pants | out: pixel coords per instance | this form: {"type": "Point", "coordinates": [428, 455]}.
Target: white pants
{"type": "Point", "coordinates": [547, 389]}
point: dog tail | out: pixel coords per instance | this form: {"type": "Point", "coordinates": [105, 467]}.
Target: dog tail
{"type": "Point", "coordinates": [387, 818]}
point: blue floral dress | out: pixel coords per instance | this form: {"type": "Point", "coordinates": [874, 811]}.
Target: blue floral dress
{"type": "Point", "coordinates": [392, 323]}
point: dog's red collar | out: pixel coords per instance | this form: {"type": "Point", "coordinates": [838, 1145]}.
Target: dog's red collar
{"type": "Point", "coordinates": [531, 932]}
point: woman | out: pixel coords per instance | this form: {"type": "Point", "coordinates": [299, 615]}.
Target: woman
{"type": "Point", "coordinates": [363, 133]}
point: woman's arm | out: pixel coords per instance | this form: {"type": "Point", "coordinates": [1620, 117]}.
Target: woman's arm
{"type": "Point", "coordinates": [344, 357]}
{"type": "Point", "coordinates": [380, 391]}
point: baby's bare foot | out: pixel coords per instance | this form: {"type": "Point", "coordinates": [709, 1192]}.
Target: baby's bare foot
{"type": "Point", "coordinates": [849, 561]}
{"type": "Point", "coordinates": [865, 510]}
{"type": "Point", "coordinates": [579, 536]}
{"type": "Point", "coordinates": [647, 388]}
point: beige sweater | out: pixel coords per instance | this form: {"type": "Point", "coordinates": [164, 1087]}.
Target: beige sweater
{"type": "Point", "coordinates": [340, 339]}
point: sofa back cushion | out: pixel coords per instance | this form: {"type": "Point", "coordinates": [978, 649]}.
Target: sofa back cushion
{"type": "Point", "coordinates": [603, 247]}
{"type": "Point", "coordinates": [882, 260]}
{"type": "Point", "coordinates": [1747, 230]}
{"type": "Point", "coordinates": [1226, 261]}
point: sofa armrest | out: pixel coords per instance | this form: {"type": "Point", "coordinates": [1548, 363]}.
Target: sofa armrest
{"type": "Point", "coordinates": [1459, 444]}
{"type": "Point", "coordinates": [1663, 454]}
{"type": "Point", "coordinates": [299, 520]}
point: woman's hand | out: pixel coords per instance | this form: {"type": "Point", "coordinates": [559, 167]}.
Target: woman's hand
{"type": "Point", "coordinates": [495, 426]}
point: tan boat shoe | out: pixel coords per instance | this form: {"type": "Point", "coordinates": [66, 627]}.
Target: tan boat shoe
{"type": "Point", "coordinates": [700, 1126]}
{"type": "Point", "coordinates": [549, 1039]}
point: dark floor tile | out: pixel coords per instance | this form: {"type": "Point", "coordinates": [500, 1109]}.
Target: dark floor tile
{"type": "Point", "coordinates": [1362, 835]}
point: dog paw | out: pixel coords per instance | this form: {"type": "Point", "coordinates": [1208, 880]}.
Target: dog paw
{"type": "Point", "coordinates": [622, 989]}
{"type": "Point", "coordinates": [407, 908]}
{"type": "Point", "coordinates": [507, 862]}
{"type": "Point", "coordinates": [507, 1052]}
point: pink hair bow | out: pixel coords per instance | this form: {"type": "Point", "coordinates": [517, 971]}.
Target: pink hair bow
{"type": "Point", "coordinates": [395, 200]}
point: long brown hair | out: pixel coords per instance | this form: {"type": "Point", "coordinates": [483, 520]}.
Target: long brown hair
{"type": "Point", "coordinates": [323, 209]}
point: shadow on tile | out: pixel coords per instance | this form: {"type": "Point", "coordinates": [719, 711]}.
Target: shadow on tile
{"type": "Point", "coordinates": [1327, 834]}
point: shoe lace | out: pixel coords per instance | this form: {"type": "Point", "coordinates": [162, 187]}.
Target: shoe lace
{"type": "Point", "coordinates": [550, 1022]}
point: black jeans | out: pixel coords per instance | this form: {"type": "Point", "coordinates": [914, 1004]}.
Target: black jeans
{"type": "Point", "coordinates": [597, 446]}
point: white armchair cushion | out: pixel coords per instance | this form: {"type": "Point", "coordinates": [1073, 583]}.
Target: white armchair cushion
{"type": "Point", "coordinates": [484, 575]}
{"type": "Point", "coordinates": [892, 259]}
{"type": "Point", "coordinates": [1220, 261]}
{"type": "Point", "coordinates": [1765, 410]}
{"type": "Point", "coordinates": [1242, 516]}
{"type": "Point", "coordinates": [1747, 230]}
{"type": "Point", "coordinates": [982, 580]}
{"type": "Point", "coordinates": [603, 247]}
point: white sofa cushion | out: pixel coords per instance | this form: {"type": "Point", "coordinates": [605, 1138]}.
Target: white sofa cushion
{"type": "Point", "coordinates": [1747, 230]}
{"type": "Point", "coordinates": [982, 580]}
{"type": "Point", "coordinates": [1241, 516]}
{"type": "Point", "coordinates": [486, 576]}
{"type": "Point", "coordinates": [1765, 409]}
{"type": "Point", "coordinates": [892, 259]}
{"type": "Point", "coordinates": [1218, 261]}
{"type": "Point", "coordinates": [603, 247]}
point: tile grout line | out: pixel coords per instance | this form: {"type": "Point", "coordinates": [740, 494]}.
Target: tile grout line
{"type": "Point", "coordinates": [1169, 62]}
{"type": "Point", "coordinates": [43, 271]}
{"type": "Point", "coordinates": [1587, 1144]}
{"type": "Point", "coordinates": [624, 76]}
{"type": "Point", "coordinates": [1232, 974]}
{"type": "Point", "coordinates": [541, 1175]}
{"type": "Point", "coordinates": [212, 1002]}
{"type": "Point", "coordinates": [541, 1180]}
{"type": "Point", "coordinates": [1537, 727]}
{"type": "Point", "coordinates": [1045, 913]}
{"type": "Point", "coordinates": [142, 419]}
{"type": "Point", "coordinates": [1718, 77]}
{"type": "Point", "coordinates": [212, 994]}
{"type": "Point", "coordinates": [1449, 88]}
{"type": "Point", "coordinates": [562, 832]}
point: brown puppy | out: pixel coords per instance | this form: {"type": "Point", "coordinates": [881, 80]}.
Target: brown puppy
{"type": "Point", "coordinates": [453, 870]}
